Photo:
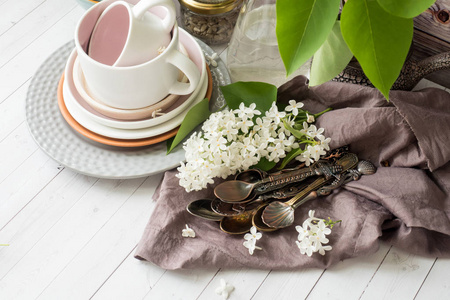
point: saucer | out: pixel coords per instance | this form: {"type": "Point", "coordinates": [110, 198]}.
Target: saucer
{"type": "Point", "coordinates": [119, 142]}
{"type": "Point", "coordinates": [194, 52]}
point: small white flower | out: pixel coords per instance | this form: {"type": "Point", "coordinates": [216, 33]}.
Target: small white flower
{"type": "Point", "coordinates": [311, 236]}
{"type": "Point", "coordinates": [161, 49]}
{"type": "Point", "coordinates": [310, 118]}
{"type": "Point", "coordinates": [254, 234]}
{"type": "Point", "coordinates": [274, 114]}
{"type": "Point", "coordinates": [302, 230]}
{"type": "Point", "coordinates": [294, 106]}
{"type": "Point", "coordinates": [250, 240]}
{"type": "Point", "coordinates": [305, 246]}
{"type": "Point", "coordinates": [313, 131]}
{"type": "Point", "coordinates": [188, 232]}
{"type": "Point", "coordinates": [211, 60]}
{"type": "Point", "coordinates": [224, 289]}
{"type": "Point", "coordinates": [157, 113]}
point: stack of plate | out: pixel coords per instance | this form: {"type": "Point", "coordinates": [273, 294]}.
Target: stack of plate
{"type": "Point", "coordinates": [74, 146]}
{"type": "Point", "coordinates": [135, 127]}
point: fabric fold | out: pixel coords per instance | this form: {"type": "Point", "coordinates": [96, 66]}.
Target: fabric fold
{"type": "Point", "coordinates": [406, 202]}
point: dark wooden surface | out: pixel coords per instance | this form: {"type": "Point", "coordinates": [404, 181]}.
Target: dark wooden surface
{"type": "Point", "coordinates": [432, 36]}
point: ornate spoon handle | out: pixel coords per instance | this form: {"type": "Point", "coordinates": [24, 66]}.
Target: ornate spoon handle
{"type": "Point", "coordinates": [271, 183]}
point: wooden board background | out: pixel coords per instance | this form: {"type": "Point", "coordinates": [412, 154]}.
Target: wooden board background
{"type": "Point", "coordinates": [432, 36]}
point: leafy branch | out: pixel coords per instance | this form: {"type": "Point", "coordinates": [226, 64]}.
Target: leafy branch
{"type": "Point", "coordinates": [378, 33]}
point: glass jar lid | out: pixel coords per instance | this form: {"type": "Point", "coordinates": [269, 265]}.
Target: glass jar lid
{"type": "Point", "coordinates": [210, 7]}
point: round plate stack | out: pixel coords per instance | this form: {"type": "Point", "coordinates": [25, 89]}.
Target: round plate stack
{"type": "Point", "coordinates": [82, 138]}
{"type": "Point", "coordinates": [133, 127]}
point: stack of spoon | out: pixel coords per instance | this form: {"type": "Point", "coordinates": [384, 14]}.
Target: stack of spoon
{"type": "Point", "coordinates": [268, 201]}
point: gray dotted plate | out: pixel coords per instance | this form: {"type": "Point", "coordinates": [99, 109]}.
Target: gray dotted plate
{"type": "Point", "coordinates": [72, 150]}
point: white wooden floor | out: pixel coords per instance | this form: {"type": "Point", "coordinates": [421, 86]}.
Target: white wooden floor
{"type": "Point", "coordinates": [73, 236]}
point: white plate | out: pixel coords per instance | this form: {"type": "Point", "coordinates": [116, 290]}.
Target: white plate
{"type": "Point", "coordinates": [59, 141]}
{"type": "Point", "coordinates": [81, 117]}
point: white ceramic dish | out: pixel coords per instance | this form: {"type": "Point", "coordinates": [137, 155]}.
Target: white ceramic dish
{"type": "Point", "coordinates": [113, 117]}
{"type": "Point", "coordinates": [103, 110]}
{"type": "Point", "coordinates": [60, 142]}
{"type": "Point", "coordinates": [80, 115]}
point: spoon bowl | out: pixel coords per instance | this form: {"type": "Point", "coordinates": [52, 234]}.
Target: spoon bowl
{"type": "Point", "coordinates": [226, 209]}
{"type": "Point", "coordinates": [239, 224]}
{"type": "Point", "coordinates": [202, 208]}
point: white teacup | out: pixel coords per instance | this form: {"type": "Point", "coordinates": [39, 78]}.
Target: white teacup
{"type": "Point", "coordinates": [127, 35]}
{"type": "Point", "coordinates": [136, 86]}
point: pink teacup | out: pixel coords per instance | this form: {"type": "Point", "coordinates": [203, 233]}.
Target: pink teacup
{"type": "Point", "coordinates": [135, 86]}
{"type": "Point", "coordinates": [127, 35]}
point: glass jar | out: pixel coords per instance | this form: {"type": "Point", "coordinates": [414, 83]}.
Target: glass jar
{"type": "Point", "coordinates": [212, 21]}
{"type": "Point", "coordinates": [253, 53]}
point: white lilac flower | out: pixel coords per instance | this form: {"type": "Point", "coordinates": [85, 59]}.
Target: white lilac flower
{"type": "Point", "coordinates": [250, 240]}
{"type": "Point", "coordinates": [188, 232]}
{"type": "Point", "coordinates": [247, 112]}
{"type": "Point", "coordinates": [302, 230]}
{"type": "Point", "coordinates": [275, 114]}
{"type": "Point", "coordinates": [234, 140]}
{"type": "Point", "coordinates": [312, 235]}
{"type": "Point", "coordinates": [294, 106]}
{"type": "Point", "coordinates": [254, 234]}
{"type": "Point", "coordinates": [211, 60]}
{"type": "Point", "coordinates": [305, 246]}
{"type": "Point", "coordinates": [313, 131]}
{"type": "Point", "coordinates": [324, 142]}
{"type": "Point", "coordinates": [305, 156]}
{"type": "Point", "coordinates": [321, 229]}
{"type": "Point", "coordinates": [157, 113]}
{"type": "Point", "coordinates": [316, 152]}
{"type": "Point", "coordinates": [310, 118]}
{"type": "Point", "coordinates": [224, 289]}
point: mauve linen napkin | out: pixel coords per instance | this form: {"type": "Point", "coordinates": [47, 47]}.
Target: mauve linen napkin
{"type": "Point", "coordinates": [407, 201]}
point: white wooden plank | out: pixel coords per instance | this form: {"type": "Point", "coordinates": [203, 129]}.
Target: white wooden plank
{"type": "Point", "coordinates": [14, 149]}
{"type": "Point", "coordinates": [399, 276]}
{"type": "Point", "coordinates": [181, 284]}
{"type": "Point", "coordinates": [288, 284]}
{"type": "Point", "coordinates": [245, 282]}
{"type": "Point", "coordinates": [24, 183]}
{"type": "Point", "coordinates": [12, 111]}
{"type": "Point", "coordinates": [437, 284]}
{"type": "Point", "coordinates": [58, 247]}
{"type": "Point", "coordinates": [30, 28]}
{"type": "Point", "coordinates": [348, 279]}
{"type": "Point", "coordinates": [132, 280]}
{"type": "Point", "coordinates": [83, 276]}
{"type": "Point", "coordinates": [41, 214]}
{"type": "Point", "coordinates": [12, 12]}
{"type": "Point", "coordinates": [18, 70]}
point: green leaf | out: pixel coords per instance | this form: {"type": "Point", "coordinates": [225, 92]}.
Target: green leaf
{"type": "Point", "coordinates": [264, 164]}
{"type": "Point", "coordinates": [260, 93]}
{"type": "Point", "coordinates": [331, 58]}
{"type": "Point", "coordinates": [195, 116]}
{"type": "Point", "coordinates": [302, 27]}
{"type": "Point", "coordinates": [379, 41]}
{"type": "Point", "coordinates": [290, 156]}
{"type": "Point", "coordinates": [405, 8]}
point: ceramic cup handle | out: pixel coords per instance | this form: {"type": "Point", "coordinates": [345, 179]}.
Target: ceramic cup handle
{"type": "Point", "coordinates": [142, 6]}
{"type": "Point", "coordinates": [189, 69]}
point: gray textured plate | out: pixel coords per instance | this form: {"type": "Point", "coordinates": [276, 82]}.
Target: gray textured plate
{"type": "Point", "coordinates": [57, 139]}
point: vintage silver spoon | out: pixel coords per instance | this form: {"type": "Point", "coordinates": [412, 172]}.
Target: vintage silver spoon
{"type": "Point", "coordinates": [202, 208]}
{"type": "Point", "coordinates": [234, 191]}
{"type": "Point", "coordinates": [281, 214]}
